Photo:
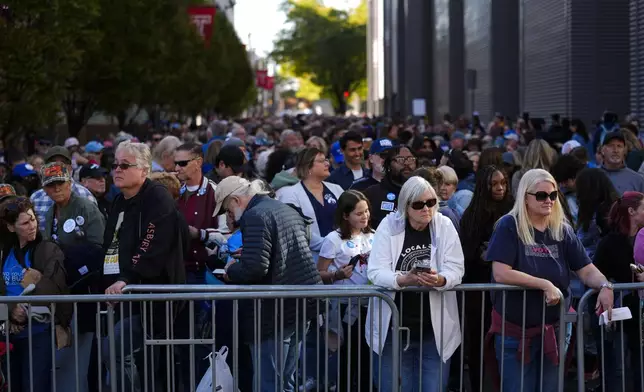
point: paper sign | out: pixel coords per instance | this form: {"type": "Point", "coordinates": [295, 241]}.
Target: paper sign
{"type": "Point", "coordinates": [418, 107]}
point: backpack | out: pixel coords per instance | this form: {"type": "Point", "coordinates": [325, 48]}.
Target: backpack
{"type": "Point", "coordinates": [83, 266]}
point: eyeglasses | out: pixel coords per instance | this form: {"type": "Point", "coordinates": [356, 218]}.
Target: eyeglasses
{"type": "Point", "coordinates": [405, 160]}
{"type": "Point", "coordinates": [321, 161]}
{"type": "Point", "coordinates": [183, 163]}
{"type": "Point", "coordinates": [122, 166]}
{"type": "Point", "coordinates": [542, 196]}
{"type": "Point", "coordinates": [419, 205]}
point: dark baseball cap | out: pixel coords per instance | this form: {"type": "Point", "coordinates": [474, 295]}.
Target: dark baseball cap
{"type": "Point", "coordinates": [6, 190]}
{"type": "Point", "coordinates": [58, 151]}
{"type": "Point", "coordinates": [381, 145]}
{"type": "Point", "coordinates": [612, 136]}
{"type": "Point", "coordinates": [54, 172]}
{"type": "Point", "coordinates": [91, 171]}
{"type": "Point", "coordinates": [231, 156]}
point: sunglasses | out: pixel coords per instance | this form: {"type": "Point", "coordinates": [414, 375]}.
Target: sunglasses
{"type": "Point", "coordinates": [542, 196]}
{"type": "Point", "coordinates": [405, 160]}
{"type": "Point", "coordinates": [183, 163]}
{"type": "Point", "coordinates": [122, 166]}
{"type": "Point", "coordinates": [419, 205]}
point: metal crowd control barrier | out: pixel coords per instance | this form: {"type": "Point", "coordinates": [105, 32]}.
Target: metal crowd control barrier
{"type": "Point", "coordinates": [142, 359]}
{"type": "Point", "coordinates": [123, 372]}
{"type": "Point", "coordinates": [615, 344]}
{"type": "Point", "coordinates": [468, 294]}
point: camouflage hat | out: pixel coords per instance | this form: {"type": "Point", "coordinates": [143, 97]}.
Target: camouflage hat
{"type": "Point", "coordinates": [6, 190]}
{"type": "Point", "coordinates": [54, 172]}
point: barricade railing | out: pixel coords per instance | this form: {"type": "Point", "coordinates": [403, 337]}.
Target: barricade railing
{"type": "Point", "coordinates": [127, 338]}
{"type": "Point", "coordinates": [618, 345]}
{"type": "Point", "coordinates": [474, 310]}
{"type": "Point", "coordinates": [157, 337]}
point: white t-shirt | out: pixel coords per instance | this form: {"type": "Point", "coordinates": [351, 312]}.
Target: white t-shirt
{"type": "Point", "coordinates": [341, 251]}
{"type": "Point", "coordinates": [357, 174]}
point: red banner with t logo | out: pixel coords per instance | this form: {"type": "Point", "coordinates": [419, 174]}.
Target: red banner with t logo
{"type": "Point", "coordinates": [203, 17]}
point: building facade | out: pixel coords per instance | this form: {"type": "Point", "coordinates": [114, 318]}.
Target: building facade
{"type": "Point", "coordinates": [637, 57]}
{"type": "Point", "coordinates": [577, 58]}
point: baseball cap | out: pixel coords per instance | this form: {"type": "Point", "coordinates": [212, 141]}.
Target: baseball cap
{"type": "Point", "coordinates": [569, 146]}
{"type": "Point", "coordinates": [93, 147]}
{"type": "Point", "coordinates": [231, 156]}
{"type": "Point", "coordinates": [234, 141]}
{"type": "Point", "coordinates": [23, 170]}
{"type": "Point", "coordinates": [227, 187]}
{"type": "Point", "coordinates": [71, 142]}
{"type": "Point", "coordinates": [380, 146]}
{"type": "Point", "coordinates": [54, 172]}
{"type": "Point", "coordinates": [6, 190]}
{"type": "Point", "coordinates": [457, 135]}
{"type": "Point", "coordinates": [336, 152]}
{"type": "Point", "coordinates": [58, 151]}
{"type": "Point", "coordinates": [511, 134]}
{"type": "Point", "coordinates": [612, 136]}
{"type": "Point", "coordinates": [91, 171]}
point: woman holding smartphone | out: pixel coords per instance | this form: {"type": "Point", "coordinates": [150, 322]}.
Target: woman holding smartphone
{"type": "Point", "coordinates": [343, 261]}
{"type": "Point", "coordinates": [416, 246]}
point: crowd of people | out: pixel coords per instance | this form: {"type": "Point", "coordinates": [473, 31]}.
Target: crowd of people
{"type": "Point", "coordinates": [336, 201]}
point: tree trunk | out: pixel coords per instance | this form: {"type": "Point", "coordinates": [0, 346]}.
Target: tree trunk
{"type": "Point", "coordinates": [121, 117]}
{"type": "Point", "coordinates": [77, 113]}
{"type": "Point", "coordinates": [75, 124]}
{"type": "Point", "coordinates": [341, 109]}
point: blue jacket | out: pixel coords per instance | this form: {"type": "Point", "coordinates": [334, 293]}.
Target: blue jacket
{"type": "Point", "coordinates": [343, 176]}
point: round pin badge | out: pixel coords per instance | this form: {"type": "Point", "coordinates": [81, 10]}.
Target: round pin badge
{"type": "Point", "coordinates": [80, 221]}
{"type": "Point", "coordinates": [69, 225]}
{"type": "Point", "coordinates": [391, 196]}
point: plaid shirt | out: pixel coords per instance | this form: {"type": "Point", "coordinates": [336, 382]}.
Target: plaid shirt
{"type": "Point", "coordinates": [42, 202]}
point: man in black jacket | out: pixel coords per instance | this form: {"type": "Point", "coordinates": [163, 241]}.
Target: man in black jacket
{"type": "Point", "coordinates": [276, 252]}
{"type": "Point", "coordinates": [144, 243]}
{"type": "Point", "coordinates": [399, 165]}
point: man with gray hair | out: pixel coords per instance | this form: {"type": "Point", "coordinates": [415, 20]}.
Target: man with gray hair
{"type": "Point", "coordinates": [163, 154]}
{"type": "Point", "coordinates": [276, 252]}
{"type": "Point", "coordinates": [144, 243]}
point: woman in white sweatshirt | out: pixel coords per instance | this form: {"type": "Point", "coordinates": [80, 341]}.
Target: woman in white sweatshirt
{"type": "Point", "coordinates": [416, 247]}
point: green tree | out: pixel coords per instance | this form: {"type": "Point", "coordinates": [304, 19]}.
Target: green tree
{"type": "Point", "coordinates": [131, 64]}
{"type": "Point", "coordinates": [41, 47]}
{"type": "Point", "coordinates": [327, 44]}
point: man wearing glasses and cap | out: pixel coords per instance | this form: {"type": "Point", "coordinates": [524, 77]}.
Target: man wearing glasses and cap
{"type": "Point", "coordinates": [42, 203]}
{"type": "Point", "coordinates": [377, 162]}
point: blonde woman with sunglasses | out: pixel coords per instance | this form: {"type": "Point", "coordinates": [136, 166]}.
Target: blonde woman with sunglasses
{"type": "Point", "coordinates": [533, 246]}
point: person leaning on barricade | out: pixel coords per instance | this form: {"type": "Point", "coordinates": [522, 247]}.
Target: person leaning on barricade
{"type": "Point", "coordinates": [533, 246]}
{"type": "Point", "coordinates": [343, 261]}
{"type": "Point", "coordinates": [76, 225]}
{"type": "Point", "coordinates": [614, 257]}
{"type": "Point", "coordinates": [144, 243]}
{"type": "Point", "coordinates": [30, 266]}
{"type": "Point", "coordinates": [275, 252]}
{"type": "Point", "coordinates": [416, 246]}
